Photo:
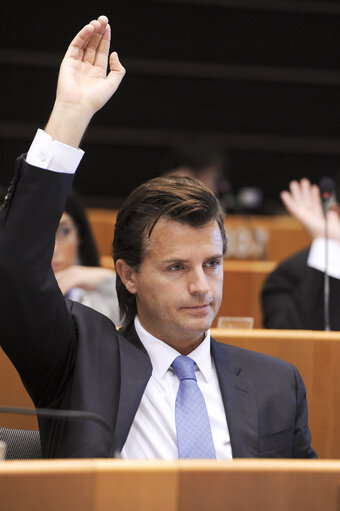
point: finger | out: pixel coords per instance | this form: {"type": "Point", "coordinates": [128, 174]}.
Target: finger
{"type": "Point", "coordinates": [316, 199]}
{"type": "Point", "coordinates": [335, 207]}
{"type": "Point", "coordinates": [115, 65]}
{"type": "Point", "coordinates": [75, 49]}
{"type": "Point", "coordinates": [295, 192]}
{"type": "Point", "coordinates": [289, 202]}
{"type": "Point", "coordinates": [116, 73]}
{"type": "Point", "coordinates": [103, 48]}
{"type": "Point", "coordinates": [306, 192]}
{"type": "Point", "coordinates": [333, 215]}
{"type": "Point", "coordinates": [93, 44]}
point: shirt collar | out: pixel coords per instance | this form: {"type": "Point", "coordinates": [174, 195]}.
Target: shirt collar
{"type": "Point", "coordinates": [162, 355]}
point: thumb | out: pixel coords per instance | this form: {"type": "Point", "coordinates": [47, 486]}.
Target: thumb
{"type": "Point", "coordinates": [115, 66]}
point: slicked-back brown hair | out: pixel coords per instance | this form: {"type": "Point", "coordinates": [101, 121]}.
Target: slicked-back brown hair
{"type": "Point", "coordinates": [182, 199]}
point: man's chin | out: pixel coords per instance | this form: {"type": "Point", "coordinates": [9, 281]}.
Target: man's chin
{"type": "Point", "coordinates": [200, 324]}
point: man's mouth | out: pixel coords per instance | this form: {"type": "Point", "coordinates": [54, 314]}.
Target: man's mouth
{"type": "Point", "coordinates": [198, 307]}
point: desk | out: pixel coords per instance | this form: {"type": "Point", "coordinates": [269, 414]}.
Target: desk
{"type": "Point", "coordinates": [285, 236]}
{"type": "Point", "coordinates": [106, 485]}
{"type": "Point", "coordinates": [13, 393]}
{"type": "Point", "coordinates": [242, 285]}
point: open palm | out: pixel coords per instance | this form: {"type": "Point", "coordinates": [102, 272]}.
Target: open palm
{"type": "Point", "coordinates": [83, 79]}
{"type": "Point", "coordinates": [303, 201]}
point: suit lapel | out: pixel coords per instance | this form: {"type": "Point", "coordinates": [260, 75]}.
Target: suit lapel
{"type": "Point", "coordinates": [239, 402]}
{"type": "Point", "coordinates": [136, 369]}
{"type": "Point", "coordinates": [237, 393]}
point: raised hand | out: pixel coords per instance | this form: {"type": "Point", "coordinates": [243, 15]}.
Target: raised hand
{"type": "Point", "coordinates": [303, 201]}
{"type": "Point", "coordinates": [84, 86]}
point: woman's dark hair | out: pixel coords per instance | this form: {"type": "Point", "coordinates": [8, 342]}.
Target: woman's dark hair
{"type": "Point", "coordinates": [182, 199]}
{"type": "Point", "coordinates": [87, 250]}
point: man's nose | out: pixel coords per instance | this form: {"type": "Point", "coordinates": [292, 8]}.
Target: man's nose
{"type": "Point", "coordinates": [198, 283]}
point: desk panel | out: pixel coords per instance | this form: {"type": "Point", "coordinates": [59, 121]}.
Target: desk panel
{"type": "Point", "coordinates": [188, 485]}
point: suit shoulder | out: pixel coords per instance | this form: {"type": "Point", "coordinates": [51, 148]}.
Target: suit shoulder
{"type": "Point", "coordinates": [91, 324]}
{"type": "Point", "coordinates": [253, 361]}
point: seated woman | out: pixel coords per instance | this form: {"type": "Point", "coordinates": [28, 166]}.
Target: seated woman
{"type": "Point", "coordinates": [76, 263]}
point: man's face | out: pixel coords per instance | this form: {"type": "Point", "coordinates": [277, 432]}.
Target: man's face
{"type": "Point", "coordinates": [179, 284]}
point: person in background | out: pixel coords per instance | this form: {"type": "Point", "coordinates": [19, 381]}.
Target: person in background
{"type": "Point", "coordinates": [198, 159]}
{"type": "Point", "coordinates": [76, 263]}
{"type": "Point", "coordinates": [293, 295]}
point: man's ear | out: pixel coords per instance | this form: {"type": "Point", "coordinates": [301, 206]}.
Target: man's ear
{"type": "Point", "coordinates": [127, 275]}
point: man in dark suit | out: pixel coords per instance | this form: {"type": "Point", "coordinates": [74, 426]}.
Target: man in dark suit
{"type": "Point", "coordinates": [293, 294]}
{"type": "Point", "coordinates": [168, 249]}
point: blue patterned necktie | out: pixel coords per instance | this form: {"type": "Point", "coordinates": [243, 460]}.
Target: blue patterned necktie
{"type": "Point", "coordinates": [194, 437]}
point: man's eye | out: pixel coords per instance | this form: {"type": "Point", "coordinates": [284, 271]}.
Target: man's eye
{"type": "Point", "coordinates": [214, 263]}
{"type": "Point", "coordinates": [175, 267]}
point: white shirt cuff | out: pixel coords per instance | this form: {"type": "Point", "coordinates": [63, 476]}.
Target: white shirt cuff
{"type": "Point", "coordinates": [317, 257]}
{"type": "Point", "coordinates": [53, 155]}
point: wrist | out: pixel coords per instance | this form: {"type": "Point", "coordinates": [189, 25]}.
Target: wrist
{"type": "Point", "coordinates": [68, 123]}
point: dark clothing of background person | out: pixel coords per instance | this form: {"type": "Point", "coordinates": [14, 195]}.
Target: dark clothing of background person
{"type": "Point", "coordinates": [293, 296]}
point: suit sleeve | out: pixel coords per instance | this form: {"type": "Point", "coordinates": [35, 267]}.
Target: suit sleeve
{"type": "Point", "coordinates": [292, 296]}
{"type": "Point", "coordinates": [302, 435]}
{"type": "Point", "coordinates": [37, 332]}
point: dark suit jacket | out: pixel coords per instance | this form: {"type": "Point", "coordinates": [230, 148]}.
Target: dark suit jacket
{"type": "Point", "coordinates": [293, 296]}
{"type": "Point", "coordinates": [71, 357]}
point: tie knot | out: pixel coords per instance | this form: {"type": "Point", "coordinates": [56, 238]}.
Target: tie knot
{"type": "Point", "coordinates": [184, 368]}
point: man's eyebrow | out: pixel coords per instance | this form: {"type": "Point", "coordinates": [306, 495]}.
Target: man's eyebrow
{"type": "Point", "coordinates": [174, 260]}
{"type": "Point", "coordinates": [180, 260]}
{"type": "Point", "coordinates": [216, 256]}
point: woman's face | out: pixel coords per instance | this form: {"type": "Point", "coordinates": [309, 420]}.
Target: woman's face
{"type": "Point", "coordinates": [66, 244]}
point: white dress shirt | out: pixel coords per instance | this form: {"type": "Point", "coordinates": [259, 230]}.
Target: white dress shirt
{"type": "Point", "coordinates": [53, 155]}
{"type": "Point", "coordinates": [317, 257]}
{"type": "Point", "coordinates": [153, 431]}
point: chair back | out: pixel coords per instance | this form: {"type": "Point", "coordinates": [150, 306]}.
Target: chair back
{"type": "Point", "coordinates": [21, 444]}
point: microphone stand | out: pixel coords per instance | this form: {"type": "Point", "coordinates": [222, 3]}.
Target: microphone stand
{"type": "Point", "coordinates": [327, 188]}
{"type": "Point", "coordinates": [326, 279]}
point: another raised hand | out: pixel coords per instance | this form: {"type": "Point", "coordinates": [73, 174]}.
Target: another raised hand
{"type": "Point", "coordinates": [303, 201]}
{"type": "Point", "coordinates": [84, 86]}
{"type": "Point", "coordinates": [85, 277]}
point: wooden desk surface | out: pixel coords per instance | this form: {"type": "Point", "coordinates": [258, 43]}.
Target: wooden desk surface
{"type": "Point", "coordinates": [188, 485]}
{"type": "Point", "coordinates": [242, 285]}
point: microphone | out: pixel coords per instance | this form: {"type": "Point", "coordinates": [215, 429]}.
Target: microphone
{"type": "Point", "coordinates": [327, 188]}
{"type": "Point", "coordinates": [76, 415]}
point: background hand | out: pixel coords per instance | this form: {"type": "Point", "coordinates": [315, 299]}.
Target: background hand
{"type": "Point", "coordinates": [303, 201]}
{"type": "Point", "coordinates": [85, 277]}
